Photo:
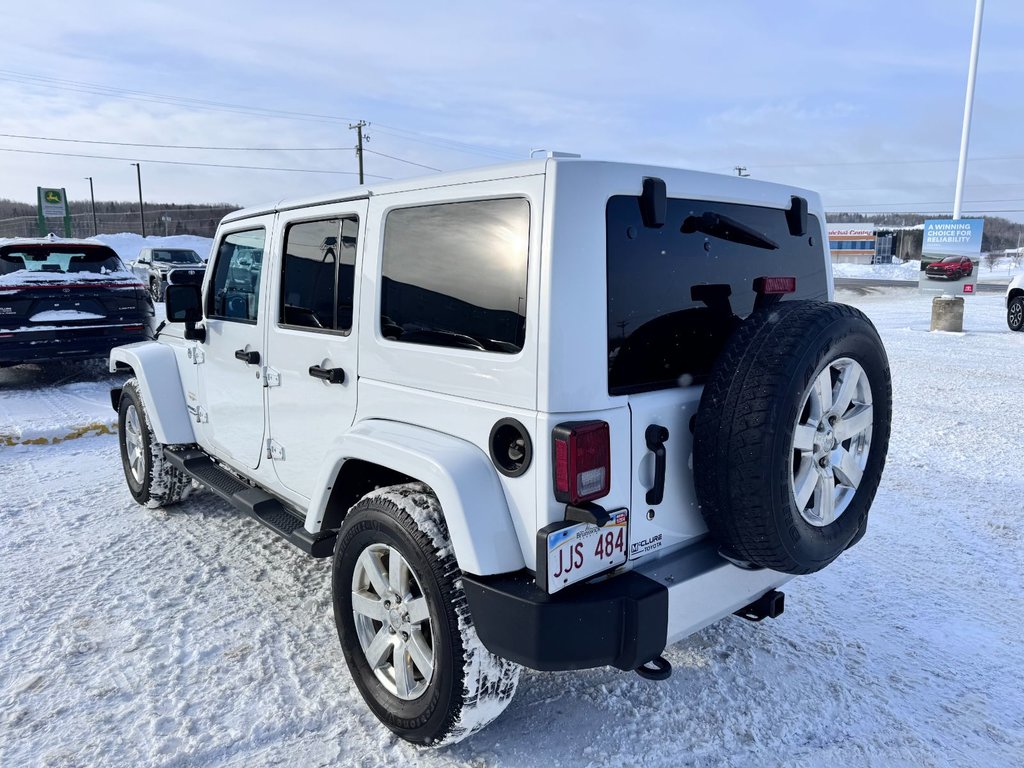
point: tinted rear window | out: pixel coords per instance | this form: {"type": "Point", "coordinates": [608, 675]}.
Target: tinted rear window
{"type": "Point", "coordinates": [658, 334]}
{"type": "Point", "coordinates": [60, 260]}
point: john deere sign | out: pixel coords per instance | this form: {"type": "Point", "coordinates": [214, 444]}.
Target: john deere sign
{"type": "Point", "coordinates": [53, 204]}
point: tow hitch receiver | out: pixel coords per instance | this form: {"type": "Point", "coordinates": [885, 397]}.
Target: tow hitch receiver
{"type": "Point", "coordinates": [657, 668]}
{"type": "Point", "coordinates": [768, 606]}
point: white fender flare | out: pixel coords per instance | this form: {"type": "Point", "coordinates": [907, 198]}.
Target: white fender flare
{"type": "Point", "coordinates": [463, 478]}
{"type": "Point", "coordinates": [156, 369]}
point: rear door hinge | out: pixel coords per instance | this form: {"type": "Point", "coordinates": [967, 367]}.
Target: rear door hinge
{"type": "Point", "coordinates": [271, 378]}
{"type": "Point", "coordinates": [196, 355]}
{"type": "Point", "coordinates": [274, 450]}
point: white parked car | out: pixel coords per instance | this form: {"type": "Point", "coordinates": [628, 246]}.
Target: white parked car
{"type": "Point", "coordinates": [1015, 304]}
{"type": "Point", "coordinates": [558, 414]}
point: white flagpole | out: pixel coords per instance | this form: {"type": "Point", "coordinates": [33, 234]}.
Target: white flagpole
{"type": "Point", "coordinates": [965, 136]}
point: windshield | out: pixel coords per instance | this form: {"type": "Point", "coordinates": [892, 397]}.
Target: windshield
{"type": "Point", "coordinates": [675, 292]}
{"type": "Point", "coordinates": [177, 257]}
{"type": "Point", "coordinates": [952, 259]}
{"type": "Point", "coordinates": [59, 260]}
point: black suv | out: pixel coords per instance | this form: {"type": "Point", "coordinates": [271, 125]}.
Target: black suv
{"type": "Point", "coordinates": [62, 299]}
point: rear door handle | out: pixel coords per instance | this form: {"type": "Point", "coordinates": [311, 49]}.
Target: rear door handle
{"type": "Point", "coordinates": [249, 358]}
{"type": "Point", "coordinates": [656, 436]}
{"type": "Point", "coordinates": [330, 375]}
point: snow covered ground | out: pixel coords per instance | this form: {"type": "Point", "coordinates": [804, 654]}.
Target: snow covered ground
{"type": "Point", "coordinates": [195, 637]}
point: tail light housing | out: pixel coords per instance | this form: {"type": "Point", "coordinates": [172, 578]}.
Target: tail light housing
{"type": "Point", "coordinates": [581, 460]}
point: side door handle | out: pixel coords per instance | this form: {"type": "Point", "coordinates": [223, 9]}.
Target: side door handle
{"type": "Point", "coordinates": [330, 375]}
{"type": "Point", "coordinates": [656, 436]}
{"type": "Point", "coordinates": [249, 358]}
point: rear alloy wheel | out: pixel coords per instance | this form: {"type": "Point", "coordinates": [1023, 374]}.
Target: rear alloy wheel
{"type": "Point", "coordinates": [791, 435]}
{"type": "Point", "coordinates": [405, 625]}
{"type": "Point", "coordinates": [1015, 313]}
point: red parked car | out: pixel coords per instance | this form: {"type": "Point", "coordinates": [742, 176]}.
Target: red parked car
{"type": "Point", "coordinates": [951, 268]}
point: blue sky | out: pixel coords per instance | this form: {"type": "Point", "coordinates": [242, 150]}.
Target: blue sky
{"type": "Point", "coordinates": [845, 97]}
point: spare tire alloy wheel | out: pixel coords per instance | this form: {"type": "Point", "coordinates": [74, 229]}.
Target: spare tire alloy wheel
{"type": "Point", "coordinates": [1015, 313]}
{"type": "Point", "coordinates": [832, 441]}
{"type": "Point", "coordinates": [791, 436]}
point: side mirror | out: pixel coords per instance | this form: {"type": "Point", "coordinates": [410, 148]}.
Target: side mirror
{"type": "Point", "coordinates": [184, 304]}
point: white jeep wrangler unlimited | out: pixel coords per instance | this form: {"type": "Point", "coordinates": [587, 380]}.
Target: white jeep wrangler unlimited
{"type": "Point", "coordinates": [558, 414]}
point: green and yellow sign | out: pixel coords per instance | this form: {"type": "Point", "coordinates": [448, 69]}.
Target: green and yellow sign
{"type": "Point", "coordinates": [53, 204]}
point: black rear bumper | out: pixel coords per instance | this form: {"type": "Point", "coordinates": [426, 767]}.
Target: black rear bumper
{"type": "Point", "coordinates": [622, 622]}
{"type": "Point", "coordinates": [68, 343]}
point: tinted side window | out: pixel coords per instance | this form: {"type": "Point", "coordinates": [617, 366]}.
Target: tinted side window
{"type": "Point", "coordinates": [454, 275]}
{"type": "Point", "coordinates": [234, 292]}
{"type": "Point", "coordinates": [318, 274]}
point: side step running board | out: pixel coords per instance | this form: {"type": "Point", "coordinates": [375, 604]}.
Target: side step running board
{"type": "Point", "coordinates": [263, 506]}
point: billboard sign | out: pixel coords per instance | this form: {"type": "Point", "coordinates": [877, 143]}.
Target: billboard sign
{"type": "Point", "coordinates": [951, 256]}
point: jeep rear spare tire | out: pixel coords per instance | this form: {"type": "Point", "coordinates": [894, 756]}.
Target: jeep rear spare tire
{"type": "Point", "coordinates": [791, 435]}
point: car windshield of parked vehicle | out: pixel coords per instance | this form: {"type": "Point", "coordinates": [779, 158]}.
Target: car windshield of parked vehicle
{"type": "Point", "coordinates": [177, 257]}
{"type": "Point", "coordinates": [59, 260]}
{"type": "Point", "coordinates": [952, 260]}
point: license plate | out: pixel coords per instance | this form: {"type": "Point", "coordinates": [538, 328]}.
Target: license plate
{"type": "Point", "coordinates": [579, 551]}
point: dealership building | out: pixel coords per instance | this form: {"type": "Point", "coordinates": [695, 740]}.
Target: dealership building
{"type": "Point", "coordinates": [858, 244]}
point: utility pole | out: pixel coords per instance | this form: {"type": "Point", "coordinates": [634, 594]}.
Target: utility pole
{"type": "Point", "coordinates": [142, 211]}
{"type": "Point", "coordinates": [359, 144]}
{"type": "Point", "coordinates": [965, 135]}
{"type": "Point", "coordinates": [741, 171]}
{"type": "Point", "coordinates": [92, 197]}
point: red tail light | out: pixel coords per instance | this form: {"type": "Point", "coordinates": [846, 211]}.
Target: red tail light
{"type": "Point", "coordinates": [581, 460]}
{"type": "Point", "coordinates": [774, 285]}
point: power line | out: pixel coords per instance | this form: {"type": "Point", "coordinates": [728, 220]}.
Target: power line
{"type": "Point", "coordinates": [182, 162]}
{"type": "Point", "coordinates": [161, 98]}
{"type": "Point", "coordinates": [176, 146]}
{"type": "Point", "coordinates": [402, 160]}
{"type": "Point", "coordinates": [219, 148]}
{"type": "Point", "coordinates": [871, 162]}
{"type": "Point", "coordinates": [930, 202]}
{"type": "Point", "coordinates": [218, 106]}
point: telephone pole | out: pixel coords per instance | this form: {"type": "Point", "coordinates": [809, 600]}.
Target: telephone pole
{"type": "Point", "coordinates": [741, 170]}
{"type": "Point", "coordinates": [95, 226]}
{"type": "Point", "coordinates": [359, 144]}
{"type": "Point", "coordinates": [142, 212]}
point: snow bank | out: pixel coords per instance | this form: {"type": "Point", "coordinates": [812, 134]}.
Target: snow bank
{"type": "Point", "coordinates": [53, 414]}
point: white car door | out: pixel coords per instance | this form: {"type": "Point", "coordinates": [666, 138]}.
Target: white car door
{"type": "Point", "coordinates": [230, 382]}
{"type": "Point", "coordinates": [312, 340]}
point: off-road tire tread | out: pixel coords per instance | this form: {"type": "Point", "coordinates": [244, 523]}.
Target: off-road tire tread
{"type": "Point", "coordinates": [164, 484]}
{"type": "Point", "coordinates": [732, 431]}
{"type": "Point", "coordinates": [489, 682]}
